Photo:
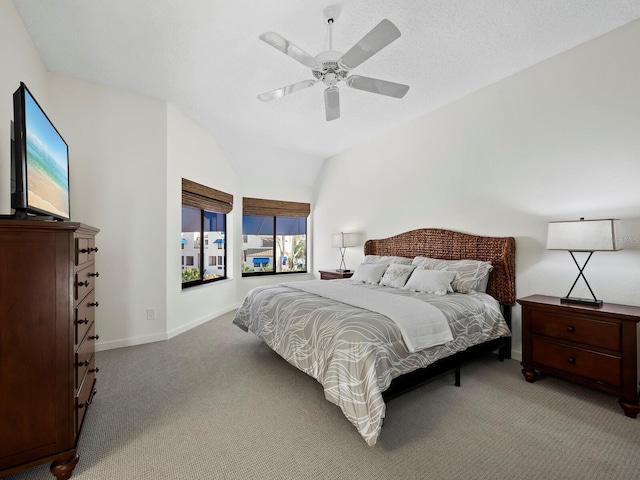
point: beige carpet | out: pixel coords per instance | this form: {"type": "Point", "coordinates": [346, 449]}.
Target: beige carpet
{"type": "Point", "coordinates": [216, 403]}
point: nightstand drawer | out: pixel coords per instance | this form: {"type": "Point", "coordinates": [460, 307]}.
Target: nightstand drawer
{"type": "Point", "coordinates": [585, 363]}
{"type": "Point", "coordinates": [334, 275]}
{"type": "Point", "coordinates": [582, 330]}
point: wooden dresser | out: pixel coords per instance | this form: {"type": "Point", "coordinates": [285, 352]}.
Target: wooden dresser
{"type": "Point", "coordinates": [595, 346]}
{"type": "Point", "coordinates": [47, 342]}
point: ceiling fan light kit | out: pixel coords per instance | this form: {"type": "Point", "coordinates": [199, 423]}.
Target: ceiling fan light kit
{"type": "Point", "coordinates": [331, 67]}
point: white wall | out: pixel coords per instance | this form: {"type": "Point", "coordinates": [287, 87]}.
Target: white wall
{"type": "Point", "coordinates": [194, 154]}
{"type": "Point", "coordinates": [19, 61]}
{"type": "Point", "coordinates": [558, 141]}
{"type": "Point", "coordinates": [117, 147]}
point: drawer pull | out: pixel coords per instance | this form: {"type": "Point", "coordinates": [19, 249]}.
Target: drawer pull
{"type": "Point", "coordinates": [93, 304]}
{"type": "Point", "coordinates": [85, 321]}
{"type": "Point", "coordinates": [83, 284]}
{"type": "Point", "coordinates": [94, 370]}
{"type": "Point", "coordinates": [571, 329]}
{"type": "Point", "coordinates": [84, 364]}
{"type": "Point", "coordinates": [571, 360]}
{"type": "Point", "coordinates": [84, 250]}
{"type": "Point", "coordinates": [93, 249]}
{"type": "Point", "coordinates": [94, 337]}
{"type": "Point", "coordinates": [97, 274]}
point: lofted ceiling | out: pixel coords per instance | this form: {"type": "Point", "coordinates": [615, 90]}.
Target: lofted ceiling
{"type": "Point", "coordinates": [205, 58]}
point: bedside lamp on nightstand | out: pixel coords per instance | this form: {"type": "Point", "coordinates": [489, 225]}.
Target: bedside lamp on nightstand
{"type": "Point", "coordinates": [583, 236]}
{"type": "Point", "coordinates": [343, 241]}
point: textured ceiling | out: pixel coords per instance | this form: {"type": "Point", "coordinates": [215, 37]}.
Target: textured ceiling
{"type": "Point", "coordinates": [205, 58]}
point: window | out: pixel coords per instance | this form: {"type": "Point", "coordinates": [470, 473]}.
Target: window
{"type": "Point", "coordinates": [204, 216]}
{"type": "Point", "coordinates": [274, 237]}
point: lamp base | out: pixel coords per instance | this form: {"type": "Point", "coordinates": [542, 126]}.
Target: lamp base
{"type": "Point", "coordinates": [582, 301]}
{"type": "Point", "coordinates": [342, 270]}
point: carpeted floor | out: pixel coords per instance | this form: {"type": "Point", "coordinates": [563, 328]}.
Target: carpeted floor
{"type": "Point", "coordinates": [216, 403]}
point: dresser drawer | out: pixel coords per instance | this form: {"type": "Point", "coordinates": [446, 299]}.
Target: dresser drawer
{"type": "Point", "coordinates": [85, 250]}
{"type": "Point", "coordinates": [84, 354]}
{"type": "Point", "coordinates": [86, 362]}
{"type": "Point", "coordinates": [575, 329]}
{"type": "Point", "coordinates": [84, 398]}
{"type": "Point", "coordinates": [85, 315]}
{"type": "Point", "coordinates": [84, 281]}
{"type": "Point", "coordinates": [577, 361]}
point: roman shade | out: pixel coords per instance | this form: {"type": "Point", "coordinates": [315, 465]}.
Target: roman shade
{"type": "Point", "coordinates": [206, 198]}
{"type": "Point", "coordinates": [274, 208]}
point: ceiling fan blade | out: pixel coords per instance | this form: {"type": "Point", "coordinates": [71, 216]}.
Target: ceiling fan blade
{"type": "Point", "coordinates": [374, 85]}
{"type": "Point", "coordinates": [281, 92]}
{"type": "Point", "coordinates": [379, 37]}
{"type": "Point", "coordinates": [285, 46]}
{"type": "Point", "coordinates": [332, 103]}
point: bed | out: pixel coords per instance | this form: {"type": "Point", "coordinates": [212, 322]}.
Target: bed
{"type": "Point", "coordinates": [345, 334]}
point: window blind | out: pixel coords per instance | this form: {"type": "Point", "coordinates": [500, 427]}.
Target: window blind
{"type": "Point", "coordinates": [275, 208]}
{"type": "Point", "coordinates": [206, 198]}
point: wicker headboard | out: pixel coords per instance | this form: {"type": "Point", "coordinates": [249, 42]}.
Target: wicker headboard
{"type": "Point", "coordinates": [449, 245]}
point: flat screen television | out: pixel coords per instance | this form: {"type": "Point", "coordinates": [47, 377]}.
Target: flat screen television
{"type": "Point", "coordinates": [40, 162]}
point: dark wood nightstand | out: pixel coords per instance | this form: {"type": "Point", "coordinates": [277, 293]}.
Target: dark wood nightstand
{"type": "Point", "coordinates": [594, 346]}
{"type": "Point", "coordinates": [333, 275]}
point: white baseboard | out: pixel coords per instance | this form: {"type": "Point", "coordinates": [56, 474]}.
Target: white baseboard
{"type": "Point", "coordinates": [130, 342]}
{"type": "Point", "coordinates": [200, 321]}
{"type": "Point", "coordinates": [159, 337]}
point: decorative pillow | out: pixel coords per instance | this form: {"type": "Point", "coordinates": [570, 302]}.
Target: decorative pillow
{"type": "Point", "coordinates": [482, 284]}
{"type": "Point", "coordinates": [471, 272]}
{"type": "Point", "coordinates": [430, 281]}
{"type": "Point", "coordinates": [396, 275]}
{"type": "Point", "coordinates": [369, 273]}
{"type": "Point", "coordinates": [386, 259]}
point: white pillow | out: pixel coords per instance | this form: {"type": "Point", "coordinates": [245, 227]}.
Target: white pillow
{"type": "Point", "coordinates": [471, 272]}
{"type": "Point", "coordinates": [386, 259]}
{"type": "Point", "coordinates": [369, 273]}
{"type": "Point", "coordinates": [430, 281]}
{"type": "Point", "coordinates": [482, 284]}
{"type": "Point", "coordinates": [396, 275]}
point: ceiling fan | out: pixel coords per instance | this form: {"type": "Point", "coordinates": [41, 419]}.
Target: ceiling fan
{"type": "Point", "coordinates": [331, 67]}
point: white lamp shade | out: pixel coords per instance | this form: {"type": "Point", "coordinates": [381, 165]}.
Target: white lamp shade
{"type": "Point", "coordinates": [344, 240]}
{"type": "Point", "coordinates": [583, 235]}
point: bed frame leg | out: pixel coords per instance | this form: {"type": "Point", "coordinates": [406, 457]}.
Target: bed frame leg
{"type": "Point", "coordinates": [505, 350]}
{"type": "Point", "coordinates": [458, 375]}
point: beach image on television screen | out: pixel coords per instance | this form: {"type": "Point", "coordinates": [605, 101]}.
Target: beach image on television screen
{"type": "Point", "coordinates": [47, 167]}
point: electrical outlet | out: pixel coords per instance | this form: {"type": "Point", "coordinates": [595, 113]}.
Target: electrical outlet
{"type": "Point", "coordinates": [151, 314]}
